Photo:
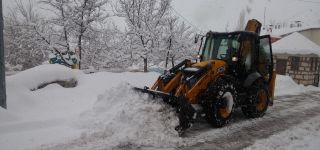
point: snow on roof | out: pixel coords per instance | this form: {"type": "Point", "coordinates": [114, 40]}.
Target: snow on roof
{"type": "Point", "coordinates": [296, 43]}
{"type": "Point", "coordinates": [286, 31]}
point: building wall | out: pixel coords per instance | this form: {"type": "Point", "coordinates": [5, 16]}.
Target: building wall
{"type": "Point", "coordinates": [303, 75]}
{"type": "Point", "coordinates": [312, 34]}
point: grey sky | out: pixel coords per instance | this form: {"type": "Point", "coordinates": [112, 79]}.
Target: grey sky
{"type": "Point", "coordinates": [216, 14]}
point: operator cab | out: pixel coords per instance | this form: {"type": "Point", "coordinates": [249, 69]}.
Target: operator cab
{"type": "Point", "coordinates": [246, 51]}
{"type": "Point", "coordinates": [221, 46]}
{"type": "Point", "coordinates": [225, 46]}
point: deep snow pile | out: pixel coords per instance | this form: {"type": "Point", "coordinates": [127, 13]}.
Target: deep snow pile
{"type": "Point", "coordinates": [286, 86]}
{"type": "Point", "coordinates": [131, 117]}
{"type": "Point", "coordinates": [123, 118]}
{"type": "Point", "coordinates": [26, 105]}
{"type": "Point", "coordinates": [50, 115]}
{"type": "Point", "coordinates": [37, 117]}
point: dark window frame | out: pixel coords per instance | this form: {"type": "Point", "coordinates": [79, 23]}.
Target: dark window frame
{"type": "Point", "coordinates": [295, 63]}
{"type": "Point", "coordinates": [314, 64]}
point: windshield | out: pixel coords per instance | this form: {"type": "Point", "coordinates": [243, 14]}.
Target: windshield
{"type": "Point", "coordinates": [220, 47]}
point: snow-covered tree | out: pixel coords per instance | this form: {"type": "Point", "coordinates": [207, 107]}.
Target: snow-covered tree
{"type": "Point", "coordinates": [82, 27]}
{"type": "Point", "coordinates": [145, 19]}
{"type": "Point", "coordinates": [73, 20]}
{"type": "Point", "coordinates": [22, 45]}
{"type": "Point", "coordinates": [178, 40]}
{"type": "Point", "coordinates": [104, 48]}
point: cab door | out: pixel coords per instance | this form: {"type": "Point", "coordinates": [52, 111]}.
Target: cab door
{"type": "Point", "coordinates": [265, 63]}
{"type": "Point", "coordinates": [265, 60]}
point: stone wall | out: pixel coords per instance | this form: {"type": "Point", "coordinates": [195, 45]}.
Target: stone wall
{"type": "Point", "coordinates": [304, 74]}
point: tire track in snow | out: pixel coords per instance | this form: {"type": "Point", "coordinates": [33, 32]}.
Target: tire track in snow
{"type": "Point", "coordinates": [288, 111]}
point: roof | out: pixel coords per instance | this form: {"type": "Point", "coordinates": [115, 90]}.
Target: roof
{"type": "Point", "coordinates": [286, 31]}
{"type": "Point", "coordinates": [296, 43]}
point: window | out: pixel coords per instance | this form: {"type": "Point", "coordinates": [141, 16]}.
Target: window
{"type": "Point", "coordinates": [314, 64]}
{"type": "Point", "coordinates": [295, 63]}
{"type": "Point", "coordinates": [221, 47]}
{"type": "Point", "coordinates": [264, 56]}
{"type": "Point", "coordinates": [222, 52]}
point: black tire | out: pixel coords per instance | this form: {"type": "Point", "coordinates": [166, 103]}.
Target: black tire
{"type": "Point", "coordinates": [219, 101]}
{"type": "Point", "coordinates": [257, 102]}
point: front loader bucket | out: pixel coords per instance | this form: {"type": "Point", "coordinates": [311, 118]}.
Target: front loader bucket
{"type": "Point", "coordinates": [186, 112]}
{"type": "Point", "coordinates": [168, 98]}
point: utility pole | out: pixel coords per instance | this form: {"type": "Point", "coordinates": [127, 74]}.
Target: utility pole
{"type": "Point", "coordinates": [264, 17]}
{"type": "Point", "coordinates": [3, 97]}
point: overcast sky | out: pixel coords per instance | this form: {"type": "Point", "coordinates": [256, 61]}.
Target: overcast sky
{"type": "Point", "coordinates": [216, 14]}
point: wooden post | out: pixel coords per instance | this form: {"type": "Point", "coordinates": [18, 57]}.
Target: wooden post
{"type": "Point", "coordinates": [145, 64]}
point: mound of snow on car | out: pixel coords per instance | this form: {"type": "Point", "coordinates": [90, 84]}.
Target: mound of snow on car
{"type": "Point", "coordinates": [34, 77]}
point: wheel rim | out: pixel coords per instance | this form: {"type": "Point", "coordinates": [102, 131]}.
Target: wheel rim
{"type": "Point", "coordinates": [227, 106]}
{"type": "Point", "coordinates": [261, 100]}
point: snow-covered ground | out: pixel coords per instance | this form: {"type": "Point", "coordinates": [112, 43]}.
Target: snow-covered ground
{"type": "Point", "coordinates": [51, 114]}
{"type": "Point", "coordinates": [286, 86]}
{"type": "Point", "coordinates": [101, 112]}
{"type": "Point", "coordinates": [303, 136]}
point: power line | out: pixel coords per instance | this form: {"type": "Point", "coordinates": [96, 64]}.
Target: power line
{"type": "Point", "coordinates": [306, 1]}
{"type": "Point", "coordinates": [185, 19]}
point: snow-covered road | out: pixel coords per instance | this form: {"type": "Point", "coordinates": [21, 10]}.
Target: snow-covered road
{"type": "Point", "coordinates": [288, 112]}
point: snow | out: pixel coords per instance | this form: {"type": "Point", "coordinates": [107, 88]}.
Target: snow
{"type": "Point", "coordinates": [303, 136]}
{"type": "Point", "coordinates": [287, 30]}
{"type": "Point", "coordinates": [286, 86]}
{"type": "Point", "coordinates": [295, 43]}
{"type": "Point", "coordinates": [34, 77]}
{"type": "Point", "coordinates": [125, 118]}
{"type": "Point", "coordinates": [101, 112]}
{"type": "Point", "coordinates": [47, 115]}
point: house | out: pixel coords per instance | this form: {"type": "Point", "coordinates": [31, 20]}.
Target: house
{"type": "Point", "coordinates": [297, 56]}
{"type": "Point", "coordinates": [310, 30]}
{"type": "Point", "coordinates": [312, 34]}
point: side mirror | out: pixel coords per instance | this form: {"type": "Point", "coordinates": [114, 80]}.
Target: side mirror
{"type": "Point", "coordinates": [196, 39]}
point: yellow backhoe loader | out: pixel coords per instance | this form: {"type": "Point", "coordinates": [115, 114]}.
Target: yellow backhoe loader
{"type": "Point", "coordinates": [235, 71]}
